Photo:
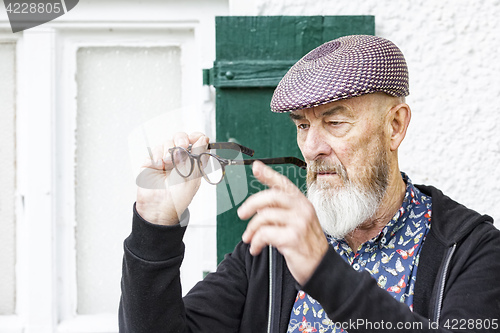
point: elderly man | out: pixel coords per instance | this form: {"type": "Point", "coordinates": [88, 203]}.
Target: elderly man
{"type": "Point", "coordinates": [366, 250]}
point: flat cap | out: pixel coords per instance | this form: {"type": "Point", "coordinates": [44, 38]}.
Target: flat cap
{"type": "Point", "coordinates": [346, 67]}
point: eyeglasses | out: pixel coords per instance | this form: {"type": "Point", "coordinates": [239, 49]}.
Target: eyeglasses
{"type": "Point", "coordinates": [212, 167]}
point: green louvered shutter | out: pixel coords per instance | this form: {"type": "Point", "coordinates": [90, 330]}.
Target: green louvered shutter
{"type": "Point", "coordinates": [252, 54]}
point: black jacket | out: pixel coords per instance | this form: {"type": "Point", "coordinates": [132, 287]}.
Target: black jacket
{"type": "Point", "coordinates": [458, 284]}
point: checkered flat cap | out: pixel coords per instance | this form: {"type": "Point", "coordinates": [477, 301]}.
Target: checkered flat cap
{"type": "Point", "coordinates": [346, 67]}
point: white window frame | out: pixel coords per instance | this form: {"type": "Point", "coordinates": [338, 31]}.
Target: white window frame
{"type": "Point", "coordinates": [10, 323]}
{"type": "Point", "coordinates": [46, 119]}
{"type": "Point", "coordinates": [164, 35]}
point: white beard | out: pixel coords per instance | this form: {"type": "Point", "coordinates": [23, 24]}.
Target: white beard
{"type": "Point", "coordinates": [341, 210]}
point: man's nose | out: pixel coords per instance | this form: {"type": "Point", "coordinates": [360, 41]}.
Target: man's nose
{"type": "Point", "coordinates": [315, 144]}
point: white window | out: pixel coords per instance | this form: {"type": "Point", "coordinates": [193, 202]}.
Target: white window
{"type": "Point", "coordinates": [7, 176]}
{"type": "Point", "coordinates": [120, 88]}
{"type": "Point", "coordinates": [92, 95]}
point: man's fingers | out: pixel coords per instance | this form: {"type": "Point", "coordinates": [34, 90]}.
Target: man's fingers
{"type": "Point", "coordinates": [197, 139]}
{"type": "Point", "coordinates": [181, 139]}
{"type": "Point", "coordinates": [195, 136]}
{"type": "Point", "coordinates": [166, 158]}
{"type": "Point", "coordinates": [160, 153]}
{"type": "Point", "coordinates": [280, 194]}
{"type": "Point", "coordinates": [263, 199]}
{"type": "Point", "coordinates": [199, 147]}
{"type": "Point", "coordinates": [269, 235]}
{"type": "Point", "coordinates": [155, 158]}
{"type": "Point", "coordinates": [271, 178]}
{"type": "Point", "coordinates": [266, 217]}
{"type": "Point", "coordinates": [263, 239]}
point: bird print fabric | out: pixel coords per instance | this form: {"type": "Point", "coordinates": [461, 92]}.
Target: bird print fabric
{"type": "Point", "coordinates": [391, 258]}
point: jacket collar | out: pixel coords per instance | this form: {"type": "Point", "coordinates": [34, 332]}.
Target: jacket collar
{"type": "Point", "coordinates": [451, 221]}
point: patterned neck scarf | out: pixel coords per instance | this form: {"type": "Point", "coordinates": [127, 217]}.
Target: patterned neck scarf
{"type": "Point", "coordinates": [391, 258]}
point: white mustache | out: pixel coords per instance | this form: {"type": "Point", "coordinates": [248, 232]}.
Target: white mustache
{"type": "Point", "coordinates": [315, 167]}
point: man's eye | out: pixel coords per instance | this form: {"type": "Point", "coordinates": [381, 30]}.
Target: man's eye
{"type": "Point", "coordinates": [302, 126]}
{"type": "Point", "coordinates": [336, 123]}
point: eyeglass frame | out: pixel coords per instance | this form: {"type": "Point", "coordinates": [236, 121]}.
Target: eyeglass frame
{"type": "Point", "coordinates": [225, 162]}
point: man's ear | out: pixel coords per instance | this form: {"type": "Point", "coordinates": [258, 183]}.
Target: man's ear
{"type": "Point", "coordinates": [399, 119]}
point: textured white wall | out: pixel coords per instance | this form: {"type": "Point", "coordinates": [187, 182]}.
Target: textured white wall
{"type": "Point", "coordinates": [453, 50]}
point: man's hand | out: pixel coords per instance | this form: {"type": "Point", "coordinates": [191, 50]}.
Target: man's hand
{"type": "Point", "coordinates": [284, 218]}
{"type": "Point", "coordinates": [163, 195]}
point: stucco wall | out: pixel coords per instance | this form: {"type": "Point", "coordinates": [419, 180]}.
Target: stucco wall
{"type": "Point", "coordinates": [453, 50]}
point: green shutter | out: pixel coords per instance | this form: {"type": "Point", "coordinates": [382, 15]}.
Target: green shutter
{"type": "Point", "coordinates": [252, 54]}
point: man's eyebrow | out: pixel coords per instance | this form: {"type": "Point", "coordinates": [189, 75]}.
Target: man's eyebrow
{"type": "Point", "coordinates": [336, 110]}
{"type": "Point", "coordinates": [329, 112]}
{"type": "Point", "coordinates": [295, 116]}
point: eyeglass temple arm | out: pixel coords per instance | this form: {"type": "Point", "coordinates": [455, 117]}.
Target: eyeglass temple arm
{"type": "Point", "coordinates": [231, 145]}
{"type": "Point", "coordinates": [276, 160]}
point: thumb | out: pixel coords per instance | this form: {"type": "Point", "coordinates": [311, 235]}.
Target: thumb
{"type": "Point", "coordinates": [202, 143]}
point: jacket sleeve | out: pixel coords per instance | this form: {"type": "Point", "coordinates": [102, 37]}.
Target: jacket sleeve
{"type": "Point", "coordinates": [355, 300]}
{"type": "Point", "coordinates": [471, 300]}
{"type": "Point", "coordinates": [151, 298]}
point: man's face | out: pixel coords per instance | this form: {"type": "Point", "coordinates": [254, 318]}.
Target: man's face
{"type": "Point", "coordinates": [348, 134]}
{"type": "Point", "coordinates": [346, 149]}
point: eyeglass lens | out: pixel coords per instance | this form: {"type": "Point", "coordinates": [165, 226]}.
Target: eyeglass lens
{"type": "Point", "coordinates": [209, 165]}
{"type": "Point", "coordinates": [182, 161]}
{"type": "Point", "coordinates": [211, 168]}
